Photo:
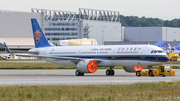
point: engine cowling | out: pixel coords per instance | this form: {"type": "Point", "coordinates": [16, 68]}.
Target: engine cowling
{"type": "Point", "coordinates": [132, 68]}
{"type": "Point", "coordinates": [87, 66]}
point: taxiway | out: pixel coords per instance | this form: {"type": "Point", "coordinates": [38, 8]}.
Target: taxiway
{"type": "Point", "coordinates": [67, 77]}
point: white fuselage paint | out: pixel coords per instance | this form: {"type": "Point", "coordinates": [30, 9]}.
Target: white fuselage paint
{"type": "Point", "coordinates": [110, 55]}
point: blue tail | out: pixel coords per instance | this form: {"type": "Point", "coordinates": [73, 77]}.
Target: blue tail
{"type": "Point", "coordinates": [39, 38]}
{"type": "Point", "coordinates": [7, 48]}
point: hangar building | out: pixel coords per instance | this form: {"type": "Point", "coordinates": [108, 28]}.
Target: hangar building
{"type": "Point", "coordinates": [102, 25]}
{"type": "Point", "coordinates": [15, 29]}
{"type": "Point", "coordinates": [89, 23]}
{"type": "Point", "coordinates": [152, 34]}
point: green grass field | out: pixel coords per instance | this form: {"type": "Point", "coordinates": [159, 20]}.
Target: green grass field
{"type": "Point", "coordinates": [46, 65]}
{"type": "Point", "coordinates": [133, 92]}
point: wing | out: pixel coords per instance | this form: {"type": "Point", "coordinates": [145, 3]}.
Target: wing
{"type": "Point", "coordinates": [17, 51]}
{"type": "Point", "coordinates": [55, 57]}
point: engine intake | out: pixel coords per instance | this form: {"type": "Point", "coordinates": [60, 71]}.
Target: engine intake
{"type": "Point", "coordinates": [132, 68]}
{"type": "Point", "coordinates": [87, 66]}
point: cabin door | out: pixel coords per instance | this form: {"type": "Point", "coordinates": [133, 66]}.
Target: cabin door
{"type": "Point", "coordinates": [143, 52]}
{"type": "Point", "coordinates": [113, 53]}
{"type": "Point", "coordinates": [79, 53]}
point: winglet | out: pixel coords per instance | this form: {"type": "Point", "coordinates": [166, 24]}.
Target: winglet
{"type": "Point", "coordinates": [7, 48]}
{"type": "Point", "coordinates": [39, 38]}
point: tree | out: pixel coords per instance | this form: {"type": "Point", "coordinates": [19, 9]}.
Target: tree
{"type": "Point", "coordinates": [134, 21]}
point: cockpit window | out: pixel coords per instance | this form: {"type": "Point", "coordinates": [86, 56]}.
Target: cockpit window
{"type": "Point", "coordinates": [157, 51]}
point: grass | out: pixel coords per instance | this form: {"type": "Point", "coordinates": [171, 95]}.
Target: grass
{"type": "Point", "coordinates": [36, 65]}
{"type": "Point", "coordinates": [46, 65]}
{"type": "Point", "coordinates": [21, 60]}
{"type": "Point", "coordinates": [133, 92]}
{"type": "Point", "coordinates": [173, 62]}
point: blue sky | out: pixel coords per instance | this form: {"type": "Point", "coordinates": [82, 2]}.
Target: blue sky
{"type": "Point", "coordinates": [163, 9]}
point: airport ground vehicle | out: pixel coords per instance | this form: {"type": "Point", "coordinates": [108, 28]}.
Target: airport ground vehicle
{"type": "Point", "coordinates": [173, 56]}
{"type": "Point", "coordinates": [163, 70]}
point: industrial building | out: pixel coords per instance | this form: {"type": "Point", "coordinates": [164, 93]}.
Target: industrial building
{"type": "Point", "coordinates": [150, 35]}
{"type": "Point", "coordinates": [15, 29]}
{"type": "Point", "coordinates": [102, 25]}
{"type": "Point", "coordinates": [89, 23]}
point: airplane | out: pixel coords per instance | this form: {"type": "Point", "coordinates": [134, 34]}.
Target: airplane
{"type": "Point", "coordinates": [7, 49]}
{"type": "Point", "coordinates": [88, 58]}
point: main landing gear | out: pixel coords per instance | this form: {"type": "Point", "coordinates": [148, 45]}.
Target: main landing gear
{"type": "Point", "coordinates": [110, 72]}
{"type": "Point", "coordinates": [77, 73]}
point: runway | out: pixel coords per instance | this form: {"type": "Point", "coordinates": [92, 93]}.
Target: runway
{"type": "Point", "coordinates": [67, 77]}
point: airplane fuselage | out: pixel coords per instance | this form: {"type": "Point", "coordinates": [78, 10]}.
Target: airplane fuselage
{"type": "Point", "coordinates": [110, 55]}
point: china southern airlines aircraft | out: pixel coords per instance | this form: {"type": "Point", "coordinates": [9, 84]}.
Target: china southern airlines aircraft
{"type": "Point", "coordinates": [88, 58]}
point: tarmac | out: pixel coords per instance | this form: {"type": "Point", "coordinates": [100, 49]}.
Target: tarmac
{"type": "Point", "coordinates": [67, 77]}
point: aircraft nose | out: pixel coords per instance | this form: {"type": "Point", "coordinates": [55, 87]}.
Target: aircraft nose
{"type": "Point", "coordinates": [166, 58]}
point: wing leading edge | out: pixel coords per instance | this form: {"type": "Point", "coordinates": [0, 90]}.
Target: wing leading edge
{"type": "Point", "coordinates": [55, 57]}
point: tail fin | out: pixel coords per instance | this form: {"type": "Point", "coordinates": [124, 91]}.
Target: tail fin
{"type": "Point", "coordinates": [39, 38]}
{"type": "Point", "coordinates": [7, 48]}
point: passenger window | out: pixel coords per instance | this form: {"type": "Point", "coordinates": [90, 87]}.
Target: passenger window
{"type": "Point", "coordinates": [135, 49]}
{"type": "Point", "coordinates": [155, 51]}
{"type": "Point", "coordinates": [122, 49]}
{"type": "Point", "coordinates": [127, 49]}
{"type": "Point", "coordinates": [131, 49]}
{"type": "Point", "coordinates": [139, 48]}
{"type": "Point", "coordinates": [119, 49]}
{"type": "Point", "coordinates": [152, 51]}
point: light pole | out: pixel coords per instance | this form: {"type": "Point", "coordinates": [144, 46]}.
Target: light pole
{"type": "Point", "coordinates": [166, 35]}
{"type": "Point", "coordinates": [103, 35]}
{"type": "Point", "coordinates": [86, 31]}
{"type": "Point", "coordinates": [140, 32]}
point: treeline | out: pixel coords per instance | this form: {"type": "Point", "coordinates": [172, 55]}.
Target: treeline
{"type": "Point", "coordinates": [134, 21]}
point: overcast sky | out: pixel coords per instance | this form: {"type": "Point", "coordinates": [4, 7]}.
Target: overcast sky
{"type": "Point", "coordinates": [163, 9]}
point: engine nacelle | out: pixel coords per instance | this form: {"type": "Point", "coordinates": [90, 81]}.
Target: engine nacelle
{"type": "Point", "coordinates": [132, 68]}
{"type": "Point", "coordinates": [87, 66]}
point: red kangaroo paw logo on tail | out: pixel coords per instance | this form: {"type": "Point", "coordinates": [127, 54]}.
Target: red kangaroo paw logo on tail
{"type": "Point", "coordinates": [37, 34]}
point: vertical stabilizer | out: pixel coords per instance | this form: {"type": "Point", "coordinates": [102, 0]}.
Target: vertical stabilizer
{"type": "Point", "coordinates": [7, 49]}
{"type": "Point", "coordinates": [39, 38]}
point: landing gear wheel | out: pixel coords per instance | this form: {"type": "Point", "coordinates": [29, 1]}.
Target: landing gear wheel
{"type": "Point", "coordinates": [112, 72]}
{"type": "Point", "coordinates": [77, 73]}
{"type": "Point", "coordinates": [108, 72]}
{"type": "Point", "coordinates": [151, 73]}
{"type": "Point", "coordinates": [82, 74]}
{"type": "Point", "coordinates": [138, 73]}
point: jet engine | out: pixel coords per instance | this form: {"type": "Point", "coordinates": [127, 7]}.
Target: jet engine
{"type": "Point", "coordinates": [87, 66]}
{"type": "Point", "coordinates": [132, 68]}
